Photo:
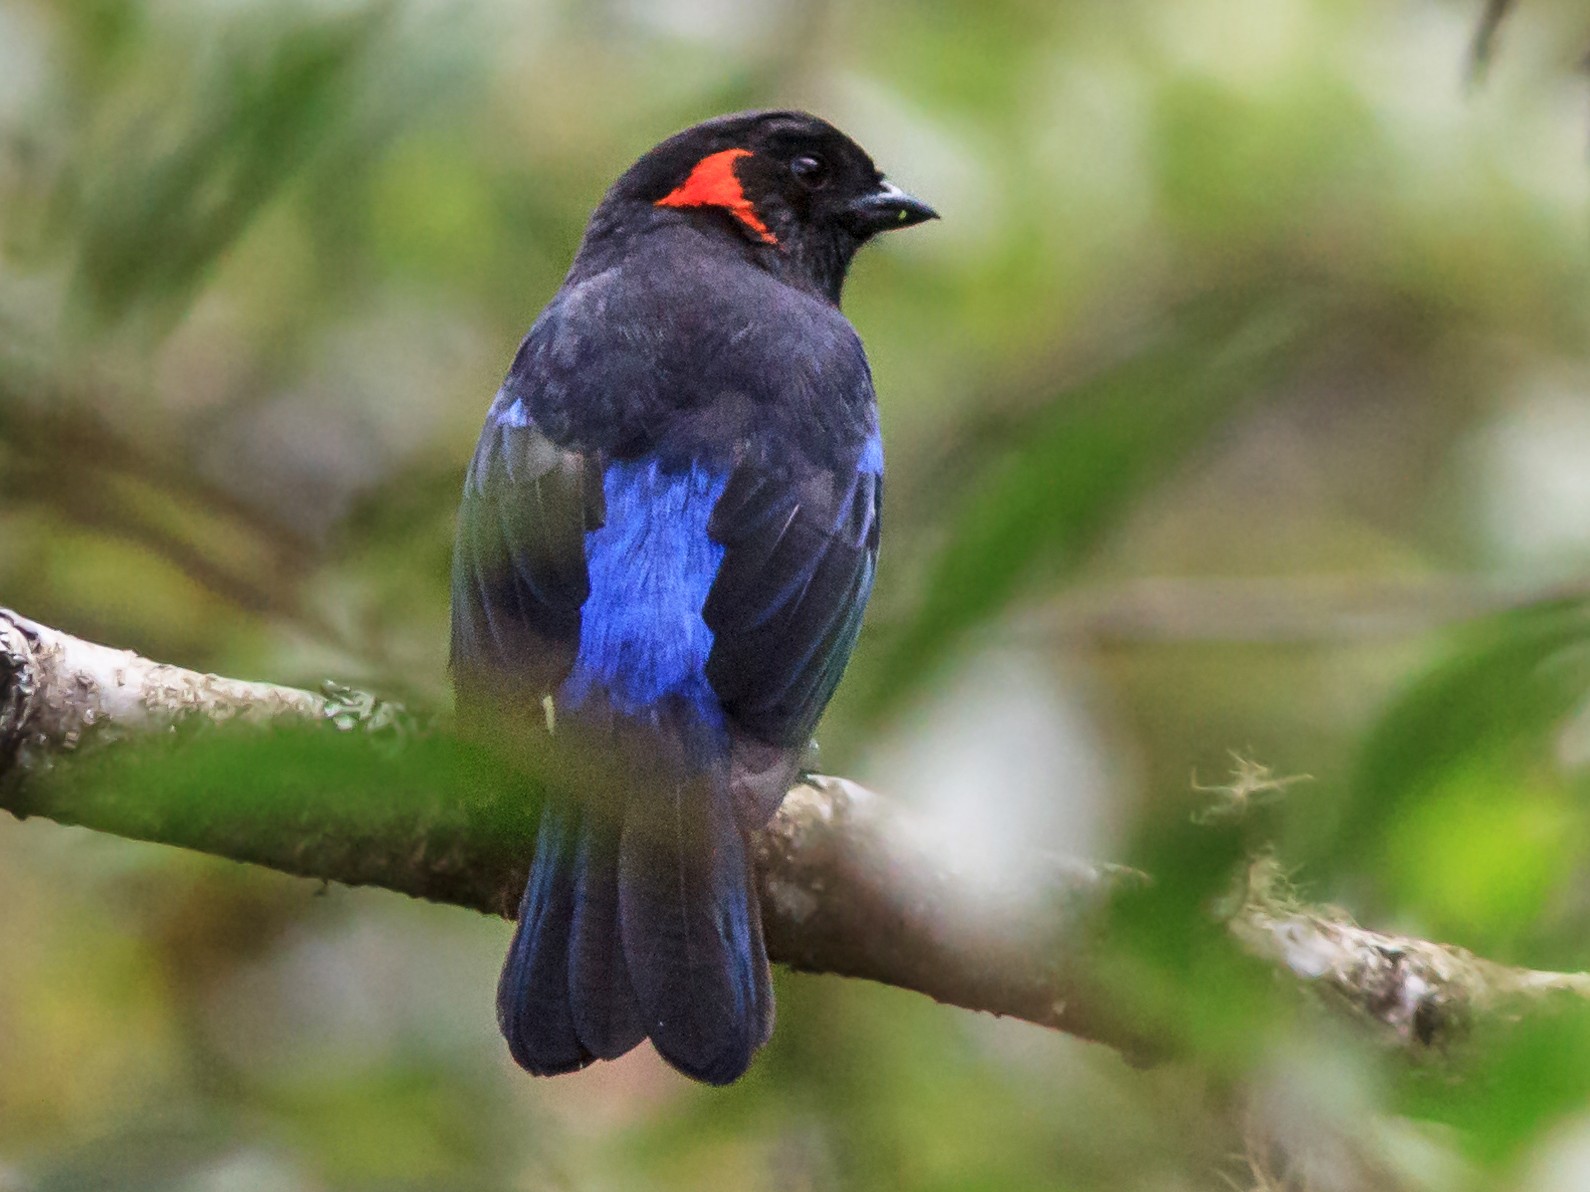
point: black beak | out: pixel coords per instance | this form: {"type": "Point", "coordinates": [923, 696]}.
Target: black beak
{"type": "Point", "coordinates": [887, 208]}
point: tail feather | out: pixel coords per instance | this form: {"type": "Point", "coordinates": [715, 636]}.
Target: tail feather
{"type": "Point", "coordinates": [762, 1012]}
{"type": "Point", "coordinates": [607, 1018]}
{"type": "Point", "coordinates": [692, 932]}
{"type": "Point", "coordinates": [640, 919]}
{"type": "Point", "coordinates": [533, 1009]}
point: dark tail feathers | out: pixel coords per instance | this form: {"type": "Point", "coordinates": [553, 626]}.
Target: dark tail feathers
{"type": "Point", "coordinates": [643, 923]}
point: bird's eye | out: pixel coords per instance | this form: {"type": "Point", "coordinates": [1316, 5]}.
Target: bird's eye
{"type": "Point", "coordinates": [810, 171]}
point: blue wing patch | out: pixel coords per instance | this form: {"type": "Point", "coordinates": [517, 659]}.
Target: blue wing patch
{"type": "Point", "coordinates": [642, 635]}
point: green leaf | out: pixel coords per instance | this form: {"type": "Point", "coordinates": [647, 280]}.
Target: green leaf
{"type": "Point", "coordinates": [174, 200]}
{"type": "Point", "coordinates": [1511, 1084]}
{"type": "Point", "coordinates": [1078, 463]}
{"type": "Point", "coordinates": [1484, 719]}
{"type": "Point", "coordinates": [1165, 955]}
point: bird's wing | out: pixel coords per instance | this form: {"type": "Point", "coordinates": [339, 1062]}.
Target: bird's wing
{"type": "Point", "coordinates": [519, 570]}
{"type": "Point", "coordinates": [786, 605]}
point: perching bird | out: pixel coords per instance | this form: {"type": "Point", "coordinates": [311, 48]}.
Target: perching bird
{"type": "Point", "coordinates": [666, 542]}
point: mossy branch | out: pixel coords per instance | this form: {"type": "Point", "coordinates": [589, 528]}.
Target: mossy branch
{"type": "Point", "coordinates": [340, 787]}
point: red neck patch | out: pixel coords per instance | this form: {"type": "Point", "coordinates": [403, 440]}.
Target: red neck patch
{"type": "Point", "coordinates": [713, 184]}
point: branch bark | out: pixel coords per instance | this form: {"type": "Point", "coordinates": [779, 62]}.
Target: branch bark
{"type": "Point", "coordinates": [347, 788]}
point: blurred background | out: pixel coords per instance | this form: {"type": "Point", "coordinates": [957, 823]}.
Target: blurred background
{"type": "Point", "coordinates": [1239, 406]}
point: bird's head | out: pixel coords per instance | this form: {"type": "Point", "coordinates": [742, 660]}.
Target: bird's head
{"type": "Point", "coordinates": [799, 194]}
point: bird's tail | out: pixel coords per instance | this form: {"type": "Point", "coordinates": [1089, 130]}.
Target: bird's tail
{"type": "Point", "coordinates": [640, 919]}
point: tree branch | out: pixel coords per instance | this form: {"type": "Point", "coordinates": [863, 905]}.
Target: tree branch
{"type": "Point", "coordinates": [341, 787]}
{"type": "Point", "coordinates": [1283, 610]}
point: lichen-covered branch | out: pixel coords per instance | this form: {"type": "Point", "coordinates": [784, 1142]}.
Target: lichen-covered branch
{"type": "Point", "coordinates": [341, 787]}
{"type": "Point", "coordinates": [1420, 994]}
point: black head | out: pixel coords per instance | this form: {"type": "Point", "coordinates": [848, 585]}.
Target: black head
{"type": "Point", "coordinates": [790, 190]}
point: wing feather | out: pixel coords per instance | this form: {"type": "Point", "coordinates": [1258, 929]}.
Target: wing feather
{"type": "Point", "coordinates": [519, 570]}
{"type": "Point", "coordinates": [785, 609]}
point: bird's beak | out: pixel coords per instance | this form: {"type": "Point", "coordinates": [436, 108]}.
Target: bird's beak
{"type": "Point", "coordinates": [886, 208]}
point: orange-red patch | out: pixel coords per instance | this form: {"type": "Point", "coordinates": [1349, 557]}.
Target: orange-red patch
{"type": "Point", "coordinates": [713, 184]}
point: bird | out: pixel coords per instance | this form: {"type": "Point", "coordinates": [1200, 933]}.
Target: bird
{"type": "Point", "coordinates": [667, 538]}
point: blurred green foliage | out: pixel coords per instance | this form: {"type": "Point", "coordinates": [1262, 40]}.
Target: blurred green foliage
{"type": "Point", "coordinates": [1240, 401]}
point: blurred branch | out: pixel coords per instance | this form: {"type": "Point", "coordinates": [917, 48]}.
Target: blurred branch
{"type": "Point", "coordinates": [1487, 35]}
{"type": "Point", "coordinates": [1484, 45]}
{"type": "Point", "coordinates": [57, 455]}
{"type": "Point", "coordinates": [850, 884]}
{"type": "Point", "coordinates": [47, 423]}
{"type": "Point", "coordinates": [1321, 608]}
